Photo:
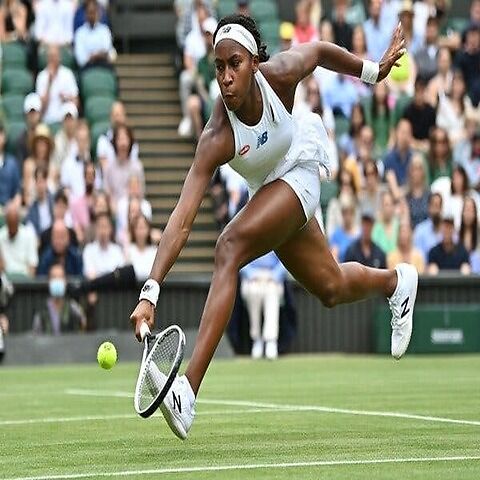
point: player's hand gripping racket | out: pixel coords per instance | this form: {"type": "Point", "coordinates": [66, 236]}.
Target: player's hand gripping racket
{"type": "Point", "coordinates": [162, 356]}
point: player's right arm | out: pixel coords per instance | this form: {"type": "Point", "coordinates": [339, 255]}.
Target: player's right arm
{"type": "Point", "coordinates": [215, 148]}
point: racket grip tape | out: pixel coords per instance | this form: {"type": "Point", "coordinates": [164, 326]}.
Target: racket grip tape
{"type": "Point", "coordinates": [144, 330]}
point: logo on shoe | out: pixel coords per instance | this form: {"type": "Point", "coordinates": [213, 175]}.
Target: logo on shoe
{"type": "Point", "coordinates": [245, 149]}
{"type": "Point", "coordinates": [405, 310]}
{"type": "Point", "coordinates": [177, 404]}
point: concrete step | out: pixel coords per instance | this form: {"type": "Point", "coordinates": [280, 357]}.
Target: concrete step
{"type": "Point", "coordinates": [166, 176]}
{"type": "Point", "coordinates": [134, 108]}
{"type": "Point", "coordinates": [181, 147]}
{"type": "Point", "coordinates": [159, 121]}
{"type": "Point", "coordinates": [169, 203]}
{"type": "Point", "coordinates": [148, 84]}
{"type": "Point", "coordinates": [203, 218]}
{"type": "Point", "coordinates": [154, 163]}
{"type": "Point", "coordinates": [149, 96]}
{"type": "Point", "coordinates": [156, 134]}
{"type": "Point", "coordinates": [144, 59]}
{"type": "Point", "coordinates": [147, 71]}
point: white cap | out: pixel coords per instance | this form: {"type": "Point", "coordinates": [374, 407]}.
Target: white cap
{"type": "Point", "coordinates": [32, 102]}
{"type": "Point", "coordinates": [69, 108]}
{"type": "Point", "coordinates": [209, 25]}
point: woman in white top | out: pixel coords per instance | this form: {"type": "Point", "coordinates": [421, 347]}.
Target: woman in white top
{"type": "Point", "coordinates": [252, 128]}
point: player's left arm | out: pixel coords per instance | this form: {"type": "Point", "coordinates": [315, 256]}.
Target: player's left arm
{"type": "Point", "coordinates": [300, 61]}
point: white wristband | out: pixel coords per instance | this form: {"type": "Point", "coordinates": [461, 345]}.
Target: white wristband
{"type": "Point", "coordinates": [370, 72]}
{"type": "Point", "coordinates": [150, 291]}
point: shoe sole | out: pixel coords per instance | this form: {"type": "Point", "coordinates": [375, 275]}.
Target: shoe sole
{"type": "Point", "coordinates": [170, 422]}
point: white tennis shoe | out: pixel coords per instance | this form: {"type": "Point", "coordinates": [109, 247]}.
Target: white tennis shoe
{"type": "Point", "coordinates": [402, 303]}
{"type": "Point", "coordinates": [178, 407]}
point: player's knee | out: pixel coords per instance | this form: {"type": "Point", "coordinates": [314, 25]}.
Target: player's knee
{"type": "Point", "coordinates": [227, 250]}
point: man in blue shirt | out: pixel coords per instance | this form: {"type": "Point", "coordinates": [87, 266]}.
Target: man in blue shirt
{"type": "Point", "coordinates": [9, 174]}
{"type": "Point", "coordinates": [377, 33]}
{"type": "Point", "coordinates": [427, 234]}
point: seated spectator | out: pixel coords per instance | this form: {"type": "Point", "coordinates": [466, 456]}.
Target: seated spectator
{"type": "Point", "coordinates": [467, 154]}
{"type": "Point", "coordinates": [441, 83]}
{"type": "Point", "coordinates": [440, 155]}
{"type": "Point", "coordinates": [102, 255]}
{"type": "Point", "coordinates": [65, 139]}
{"type": "Point", "coordinates": [243, 7]}
{"type": "Point", "coordinates": [348, 142]}
{"type": "Point", "coordinates": [405, 251]}
{"type": "Point", "coordinates": [262, 290]}
{"type": "Point", "coordinates": [468, 235]}
{"type": "Point", "coordinates": [421, 115]}
{"type": "Point", "coordinates": [60, 212]}
{"type": "Point", "coordinates": [80, 16]}
{"type": "Point", "coordinates": [41, 148]}
{"type": "Point", "coordinates": [40, 213]}
{"type": "Point", "coordinates": [364, 250]}
{"type": "Point", "coordinates": [93, 40]}
{"type": "Point", "coordinates": [342, 31]}
{"type": "Point", "coordinates": [14, 21]}
{"type": "Point", "coordinates": [454, 109]}
{"type": "Point", "coordinates": [377, 33]}
{"type": "Point", "coordinates": [370, 196]}
{"type": "Point", "coordinates": [426, 57]}
{"type": "Point", "coordinates": [141, 251]}
{"type": "Point", "coordinates": [406, 15]}
{"type": "Point", "coordinates": [398, 159]}
{"type": "Point", "coordinates": [344, 235]}
{"type": "Point", "coordinates": [105, 150]}
{"type": "Point", "coordinates": [118, 173]}
{"type": "Point", "coordinates": [32, 108]}
{"type": "Point", "coordinates": [54, 22]}
{"type": "Point", "coordinates": [428, 233]}
{"type": "Point", "coordinates": [72, 172]}
{"type": "Point", "coordinates": [305, 30]}
{"type": "Point", "coordinates": [60, 250]}
{"type": "Point", "coordinates": [59, 314]}
{"type": "Point", "coordinates": [385, 230]}
{"type": "Point", "coordinates": [9, 174]}
{"type": "Point", "coordinates": [340, 96]}
{"type": "Point", "coordinates": [448, 254]}
{"type": "Point", "coordinates": [56, 85]}
{"type": "Point", "coordinates": [468, 61]}
{"type": "Point", "coordinates": [81, 207]}
{"type": "Point", "coordinates": [18, 244]}
{"type": "Point", "coordinates": [417, 191]}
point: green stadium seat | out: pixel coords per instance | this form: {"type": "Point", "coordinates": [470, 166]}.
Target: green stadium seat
{"type": "Point", "coordinates": [270, 33]}
{"type": "Point", "coordinates": [328, 190]}
{"type": "Point", "coordinates": [97, 109]}
{"type": "Point", "coordinates": [98, 81]}
{"type": "Point", "coordinates": [264, 10]}
{"type": "Point", "coordinates": [14, 129]}
{"type": "Point", "coordinates": [68, 59]}
{"type": "Point", "coordinates": [54, 127]}
{"type": "Point", "coordinates": [14, 55]}
{"type": "Point", "coordinates": [96, 130]}
{"type": "Point", "coordinates": [402, 102]}
{"type": "Point", "coordinates": [17, 80]}
{"type": "Point", "coordinates": [226, 7]}
{"type": "Point", "coordinates": [457, 24]}
{"type": "Point", "coordinates": [12, 106]}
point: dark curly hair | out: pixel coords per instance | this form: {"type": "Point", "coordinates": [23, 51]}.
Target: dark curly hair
{"type": "Point", "coordinates": [251, 26]}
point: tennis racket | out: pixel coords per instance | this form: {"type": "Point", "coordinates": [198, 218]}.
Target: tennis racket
{"type": "Point", "coordinates": [162, 356]}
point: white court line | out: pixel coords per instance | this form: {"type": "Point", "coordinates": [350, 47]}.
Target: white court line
{"type": "Point", "coordinates": [257, 466]}
{"type": "Point", "coordinates": [295, 408]}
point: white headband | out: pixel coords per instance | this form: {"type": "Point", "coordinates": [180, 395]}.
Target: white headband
{"type": "Point", "coordinates": [239, 34]}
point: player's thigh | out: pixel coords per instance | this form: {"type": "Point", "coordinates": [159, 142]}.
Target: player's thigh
{"type": "Point", "coordinates": [306, 255]}
{"type": "Point", "coordinates": [271, 217]}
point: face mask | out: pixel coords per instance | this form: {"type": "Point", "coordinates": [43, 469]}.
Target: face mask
{"type": "Point", "coordinates": [56, 287]}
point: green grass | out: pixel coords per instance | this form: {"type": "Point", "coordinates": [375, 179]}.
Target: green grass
{"type": "Point", "coordinates": [441, 386]}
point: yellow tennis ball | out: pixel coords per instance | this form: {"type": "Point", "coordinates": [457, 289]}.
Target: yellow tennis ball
{"type": "Point", "coordinates": [401, 73]}
{"type": "Point", "coordinates": [107, 355]}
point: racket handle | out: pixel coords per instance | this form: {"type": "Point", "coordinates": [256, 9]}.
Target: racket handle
{"type": "Point", "coordinates": [144, 330]}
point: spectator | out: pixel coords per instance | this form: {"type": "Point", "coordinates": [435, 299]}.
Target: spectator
{"type": "Point", "coordinates": [262, 289]}
{"type": "Point", "coordinates": [454, 109]}
{"type": "Point", "coordinates": [421, 115]}
{"type": "Point", "coordinates": [344, 235]}
{"type": "Point", "coordinates": [441, 83]}
{"type": "Point", "coordinates": [93, 40]}
{"type": "Point", "coordinates": [405, 251]}
{"type": "Point", "coordinates": [72, 172]}
{"type": "Point", "coordinates": [32, 108]}
{"type": "Point", "coordinates": [349, 142]}
{"type": "Point", "coordinates": [65, 139]}
{"type": "Point", "coordinates": [378, 35]}
{"type": "Point", "coordinates": [14, 20]}
{"type": "Point", "coordinates": [55, 85]}
{"type": "Point", "coordinates": [417, 191]}
{"type": "Point", "coordinates": [59, 314]}
{"type": "Point", "coordinates": [9, 174]}
{"type": "Point", "coordinates": [105, 150]}
{"type": "Point", "coordinates": [385, 230]}
{"type": "Point", "coordinates": [54, 22]}
{"type": "Point", "coordinates": [370, 196]}
{"type": "Point", "coordinates": [448, 254]}
{"type": "Point", "coordinates": [342, 31]}
{"type": "Point", "coordinates": [468, 235]}
{"type": "Point", "coordinates": [426, 57]}
{"type": "Point", "coordinates": [305, 30]}
{"type": "Point", "coordinates": [243, 7]}
{"type": "Point", "coordinates": [440, 154]}
{"type": "Point", "coordinates": [102, 256]}
{"type": "Point", "coordinates": [341, 96]}
{"type": "Point", "coordinates": [141, 251]}
{"type": "Point", "coordinates": [60, 250]}
{"type": "Point", "coordinates": [428, 233]}
{"type": "Point", "coordinates": [81, 208]}
{"type": "Point", "coordinates": [80, 16]}
{"type": "Point", "coordinates": [364, 250]}
{"type": "Point", "coordinates": [467, 154]}
{"type": "Point", "coordinates": [40, 213]}
{"type": "Point", "coordinates": [6, 292]}
{"type": "Point", "coordinates": [398, 159]}
{"type": "Point", "coordinates": [118, 173]}
{"type": "Point", "coordinates": [18, 244]}
{"type": "Point", "coordinates": [468, 61]}
{"type": "Point", "coordinates": [41, 148]}
{"type": "Point", "coordinates": [406, 15]}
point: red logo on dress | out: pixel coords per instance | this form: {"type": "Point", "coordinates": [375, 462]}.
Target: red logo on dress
{"type": "Point", "coordinates": [244, 150]}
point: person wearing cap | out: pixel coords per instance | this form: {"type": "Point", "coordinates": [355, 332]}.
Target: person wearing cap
{"type": "Point", "coordinates": [65, 141]}
{"type": "Point", "coordinates": [9, 173]}
{"type": "Point", "coordinates": [32, 109]}
{"type": "Point", "coordinates": [364, 250]}
{"type": "Point", "coordinates": [448, 254]}
{"type": "Point", "coordinates": [56, 85]}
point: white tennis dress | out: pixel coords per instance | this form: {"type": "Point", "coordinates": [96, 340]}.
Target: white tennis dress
{"type": "Point", "coordinates": [281, 146]}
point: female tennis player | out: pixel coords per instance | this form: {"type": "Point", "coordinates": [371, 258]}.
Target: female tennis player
{"type": "Point", "coordinates": [252, 129]}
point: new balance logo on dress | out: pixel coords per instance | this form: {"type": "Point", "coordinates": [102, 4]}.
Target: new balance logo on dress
{"type": "Point", "coordinates": [405, 310]}
{"type": "Point", "coordinates": [262, 139]}
{"type": "Point", "coordinates": [176, 402]}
